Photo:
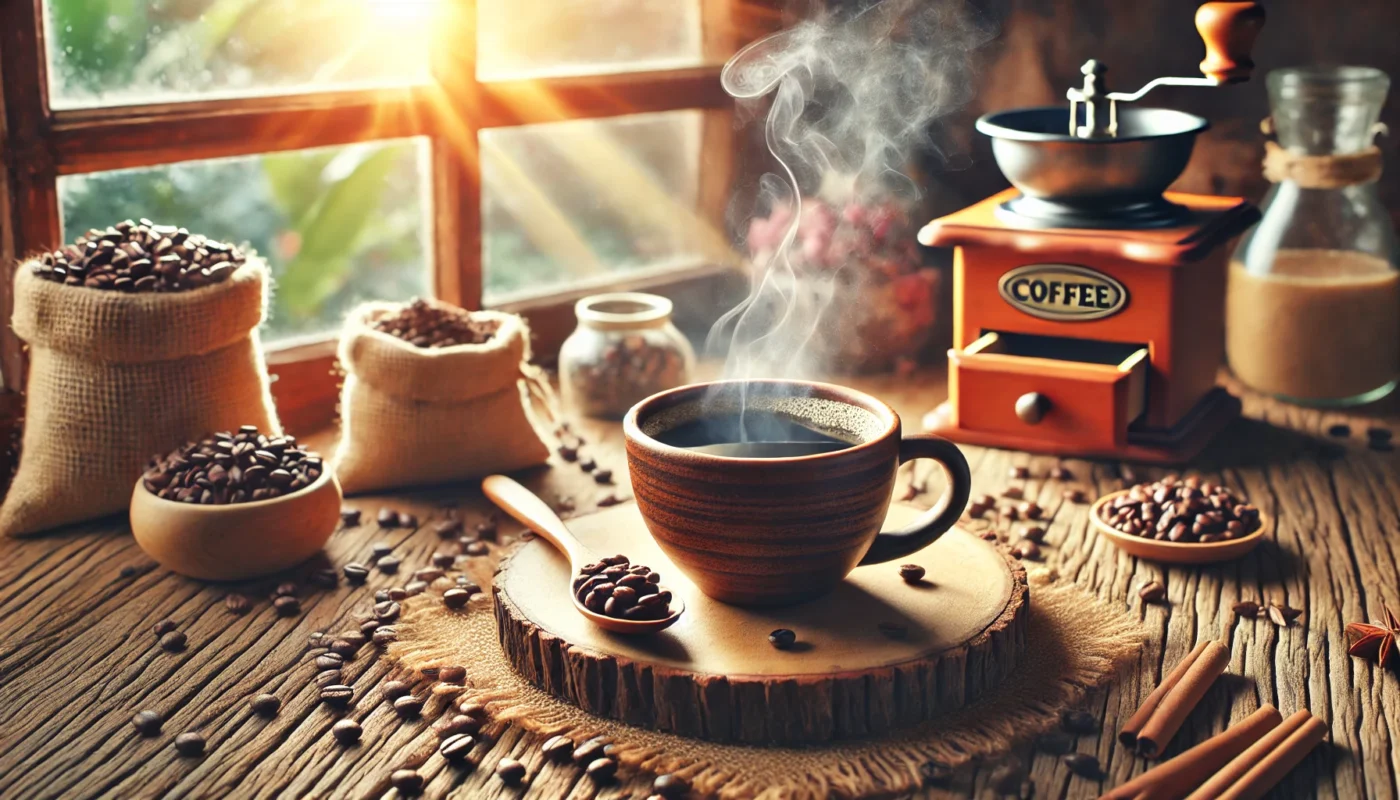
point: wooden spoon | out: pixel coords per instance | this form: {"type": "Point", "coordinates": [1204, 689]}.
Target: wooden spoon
{"type": "Point", "coordinates": [536, 515]}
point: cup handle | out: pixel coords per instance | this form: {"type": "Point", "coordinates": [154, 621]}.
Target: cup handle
{"type": "Point", "coordinates": [890, 545]}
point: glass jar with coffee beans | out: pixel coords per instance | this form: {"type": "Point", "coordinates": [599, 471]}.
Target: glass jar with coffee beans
{"type": "Point", "coordinates": [624, 349]}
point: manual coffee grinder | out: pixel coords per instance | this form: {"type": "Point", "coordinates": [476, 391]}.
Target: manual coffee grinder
{"type": "Point", "coordinates": [1088, 313]}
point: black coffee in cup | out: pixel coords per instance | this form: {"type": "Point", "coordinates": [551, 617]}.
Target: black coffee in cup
{"type": "Point", "coordinates": [753, 434]}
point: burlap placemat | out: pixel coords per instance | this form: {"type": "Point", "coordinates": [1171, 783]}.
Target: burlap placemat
{"type": "Point", "coordinates": [1076, 642]}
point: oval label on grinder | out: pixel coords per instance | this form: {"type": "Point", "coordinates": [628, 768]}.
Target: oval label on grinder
{"type": "Point", "coordinates": [1063, 292]}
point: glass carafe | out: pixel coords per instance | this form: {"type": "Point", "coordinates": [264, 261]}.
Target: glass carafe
{"type": "Point", "coordinates": [1313, 299]}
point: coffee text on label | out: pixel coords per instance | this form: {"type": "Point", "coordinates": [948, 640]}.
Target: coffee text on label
{"type": "Point", "coordinates": [1063, 292]}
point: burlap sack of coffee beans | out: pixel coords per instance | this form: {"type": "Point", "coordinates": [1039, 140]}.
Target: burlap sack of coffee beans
{"type": "Point", "coordinates": [116, 378]}
{"type": "Point", "coordinates": [423, 415]}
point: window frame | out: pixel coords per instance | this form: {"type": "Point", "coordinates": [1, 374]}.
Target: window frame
{"type": "Point", "coordinates": [39, 144]}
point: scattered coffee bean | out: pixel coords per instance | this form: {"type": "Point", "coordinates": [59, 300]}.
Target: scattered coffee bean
{"type": "Point", "coordinates": [977, 510]}
{"type": "Point", "coordinates": [388, 565]}
{"type": "Point", "coordinates": [588, 752]}
{"type": "Point", "coordinates": [602, 476]}
{"type": "Point", "coordinates": [350, 517]}
{"type": "Point", "coordinates": [452, 674]}
{"type": "Point", "coordinates": [406, 781]}
{"type": "Point", "coordinates": [1282, 616]}
{"type": "Point", "coordinates": [473, 709]}
{"type": "Point", "coordinates": [448, 528]}
{"type": "Point", "coordinates": [1013, 493]}
{"type": "Point", "coordinates": [393, 690]}
{"type": "Point", "coordinates": [1083, 765]}
{"type": "Point", "coordinates": [1377, 434]}
{"type": "Point", "coordinates": [1341, 431]}
{"type": "Point", "coordinates": [602, 770]}
{"type": "Point", "coordinates": [911, 573]}
{"type": "Point", "coordinates": [369, 626]}
{"type": "Point", "coordinates": [344, 649]}
{"type": "Point", "coordinates": [1075, 495]}
{"type": "Point", "coordinates": [356, 573]}
{"type": "Point", "coordinates": [988, 535]}
{"type": "Point", "coordinates": [893, 630]}
{"type": "Point", "coordinates": [163, 627]}
{"type": "Point", "coordinates": [337, 695]}
{"type": "Point", "coordinates": [449, 725]}
{"type": "Point", "coordinates": [608, 500]}
{"type": "Point", "coordinates": [1010, 512]}
{"type": "Point", "coordinates": [147, 723]}
{"type": "Point", "coordinates": [782, 638]}
{"type": "Point", "coordinates": [1152, 592]}
{"type": "Point", "coordinates": [429, 574]}
{"type": "Point", "coordinates": [936, 774]}
{"type": "Point", "coordinates": [330, 661]}
{"type": "Point", "coordinates": [347, 731]}
{"type": "Point", "coordinates": [237, 604]}
{"type": "Point", "coordinates": [287, 606]}
{"type": "Point", "coordinates": [1056, 743]}
{"type": "Point", "coordinates": [671, 787]}
{"type": "Point", "coordinates": [1031, 510]}
{"type": "Point", "coordinates": [430, 673]}
{"type": "Point", "coordinates": [1007, 779]}
{"type": "Point", "coordinates": [558, 748]}
{"type": "Point", "coordinates": [415, 588]}
{"type": "Point", "coordinates": [1020, 472]}
{"type": "Point", "coordinates": [140, 256]}
{"type": "Point", "coordinates": [1080, 723]}
{"type": "Point", "coordinates": [587, 464]}
{"type": "Point", "coordinates": [173, 642]}
{"type": "Point", "coordinates": [387, 611]}
{"type": "Point", "coordinates": [287, 589]}
{"type": "Point", "coordinates": [407, 520]}
{"type": "Point", "coordinates": [1061, 474]}
{"type": "Point", "coordinates": [1035, 533]}
{"type": "Point", "coordinates": [467, 584]}
{"type": "Point", "coordinates": [487, 530]}
{"type": "Point", "coordinates": [1246, 608]}
{"type": "Point", "coordinates": [329, 677]}
{"type": "Point", "coordinates": [398, 593]}
{"type": "Point", "coordinates": [1184, 510]}
{"type": "Point", "coordinates": [443, 561]}
{"type": "Point", "coordinates": [227, 468]}
{"type": "Point", "coordinates": [266, 705]}
{"type": "Point", "coordinates": [189, 745]}
{"type": "Point", "coordinates": [567, 452]}
{"type": "Point", "coordinates": [380, 549]}
{"type": "Point", "coordinates": [408, 706]}
{"type": "Point", "coordinates": [456, 598]}
{"type": "Point", "coordinates": [477, 548]}
{"type": "Point", "coordinates": [1026, 550]}
{"type": "Point", "coordinates": [384, 635]}
{"type": "Point", "coordinates": [388, 517]}
{"type": "Point", "coordinates": [510, 771]}
{"type": "Point", "coordinates": [456, 747]}
{"type": "Point", "coordinates": [127, 571]}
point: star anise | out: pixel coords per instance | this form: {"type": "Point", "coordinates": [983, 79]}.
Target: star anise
{"type": "Point", "coordinates": [1374, 641]}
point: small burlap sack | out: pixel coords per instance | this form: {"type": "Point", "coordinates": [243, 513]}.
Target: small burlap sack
{"type": "Point", "coordinates": [117, 378]}
{"type": "Point", "coordinates": [415, 416]}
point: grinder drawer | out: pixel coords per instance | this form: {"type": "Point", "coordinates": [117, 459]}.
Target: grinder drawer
{"type": "Point", "coordinates": [1071, 391]}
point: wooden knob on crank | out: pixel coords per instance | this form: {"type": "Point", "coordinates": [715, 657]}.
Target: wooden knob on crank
{"type": "Point", "coordinates": [1229, 30]}
{"type": "Point", "coordinates": [1031, 407]}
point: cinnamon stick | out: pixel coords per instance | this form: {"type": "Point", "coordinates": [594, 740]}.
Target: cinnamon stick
{"type": "Point", "coordinates": [1129, 733]}
{"type": "Point", "coordinates": [1165, 720]}
{"type": "Point", "coordinates": [1171, 780]}
{"type": "Point", "coordinates": [1251, 774]}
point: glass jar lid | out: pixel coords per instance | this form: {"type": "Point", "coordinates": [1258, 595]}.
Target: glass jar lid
{"type": "Point", "coordinates": [623, 311]}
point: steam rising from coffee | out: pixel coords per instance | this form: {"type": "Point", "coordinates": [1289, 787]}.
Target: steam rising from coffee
{"type": "Point", "coordinates": [855, 94]}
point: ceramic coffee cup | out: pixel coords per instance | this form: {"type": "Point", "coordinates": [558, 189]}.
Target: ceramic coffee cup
{"type": "Point", "coordinates": [775, 530]}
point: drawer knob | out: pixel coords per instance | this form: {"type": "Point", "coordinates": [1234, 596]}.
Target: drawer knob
{"type": "Point", "coordinates": [1031, 407]}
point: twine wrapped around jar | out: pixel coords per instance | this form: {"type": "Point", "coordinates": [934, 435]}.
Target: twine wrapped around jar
{"type": "Point", "coordinates": [1320, 171]}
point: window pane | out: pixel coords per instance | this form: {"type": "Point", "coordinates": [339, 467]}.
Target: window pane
{"type": "Point", "coordinates": [530, 38]}
{"type": "Point", "coordinates": [337, 225]}
{"type": "Point", "coordinates": [113, 52]}
{"type": "Point", "coordinates": [574, 203]}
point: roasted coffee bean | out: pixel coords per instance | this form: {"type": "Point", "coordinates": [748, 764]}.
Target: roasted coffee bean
{"type": "Point", "coordinates": [977, 510]}
{"type": "Point", "coordinates": [1074, 495]}
{"type": "Point", "coordinates": [127, 571]}
{"type": "Point", "coordinates": [415, 588]}
{"type": "Point", "coordinates": [558, 748]}
{"type": "Point", "coordinates": [220, 469]}
{"type": "Point", "coordinates": [1246, 608]}
{"type": "Point", "coordinates": [510, 771]}
{"type": "Point", "coordinates": [487, 529]}
{"type": "Point", "coordinates": [397, 593]}
{"type": "Point", "coordinates": [287, 589]}
{"type": "Point", "coordinates": [406, 781]}
{"type": "Point", "coordinates": [329, 677]}
{"type": "Point", "coordinates": [1020, 472]}
{"type": "Point", "coordinates": [475, 549]}
{"type": "Point", "coordinates": [266, 705]}
{"type": "Point", "coordinates": [1080, 723]}
{"type": "Point", "coordinates": [356, 573]}
{"type": "Point", "coordinates": [473, 709]}
{"type": "Point", "coordinates": [1026, 550]}
{"type": "Point", "coordinates": [587, 464]}
{"type": "Point", "coordinates": [147, 723]}
{"type": "Point", "coordinates": [1056, 743]}
{"type": "Point", "coordinates": [1153, 592]}
{"type": "Point", "coordinates": [588, 752]}
{"type": "Point", "coordinates": [449, 725]}
{"type": "Point", "coordinates": [337, 695]}
{"type": "Point", "coordinates": [430, 574]}
{"type": "Point", "coordinates": [369, 626]}
{"type": "Point", "coordinates": [1007, 779]}
{"type": "Point", "coordinates": [893, 630]}
{"type": "Point", "coordinates": [237, 604]}
{"type": "Point", "coordinates": [1030, 511]}
{"type": "Point", "coordinates": [452, 674]}
{"type": "Point", "coordinates": [388, 517]}
{"type": "Point", "coordinates": [782, 638]}
{"type": "Point", "coordinates": [345, 649]}
{"type": "Point", "coordinates": [911, 573]}
{"type": "Point", "coordinates": [388, 565]}
{"type": "Point", "coordinates": [163, 627]}
{"type": "Point", "coordinates": [671, 787]}
{"type": "Point", "coordinates": [1280, 616]}
{"type": "Point", "coordinates": [1010, 512]}
{"type": "Point", "coordinates": [1083, 765]}
{"type": "Point", "coordinates": [936, 774]}
{"type": "Point", "coordinates": [173, 642]}
{"type": "Point", "coordinates": [988, 535]}
{"type": "Point", "coordinates": [380, 549]}
{"type": "Point", "coordinates": [408, 520]}
{"type": "Point", "coordinates": [350, 517]}
{"type": "Point", "coordinates": [1061, 474]}
{"type": "Point", "coordinates": [456, 598]}
{"type": "Point", "coordinates": [287, 606]}
{"type": "Point", "coordinates": [467, 584]}
{"type": "Point", "coordinates": [430, 673]}
{"type": "Point", "coordinates": [1035, 533]}
{"type": "Point", "coordinates": [602, 476]}
{"type": "Point", "coordinates": [1377, 434]}
{"type": "Point", "coordinates": [347, 731]}
{"type": "Point", "coordinates": [119, 259]}
{"type": "Point", "coordinates": [602, 770]}
{"type": "Point", "coordinates": [189, 745]}
{"type": "Point", "coordinates": [434, 324]}
{"type": "Point", "coordinates": [987, 500]}
{"type": "Point", "coordinates": [567, 452]}
{"type": "Point", "coordinates": [448, 529]}
{"type": "Point", "coordinates": [1013, 493]}
{"type": "Point", "coordinates": [457, 746]}
{"type": "Point", "coordinates": [1341, 431]}
{"type": "Point", "coordinates": [387, 611]}
{"type": "Point", "coordinates": [393, 690]}
{"type": "Point", "coordinates": [408, 706]}
{"type": "Point", "coordinates": [384, 635]}
{"type": "Point", "coordinates": [442, 561]}
{"type": "Point", "coordinates": [608, 500]}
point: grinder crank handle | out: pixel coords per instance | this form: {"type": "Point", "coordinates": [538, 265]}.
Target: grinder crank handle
{"type": "Point", "coordinates": [1229, 30]}
{"type": "Point", "coordinates": [889, 545]}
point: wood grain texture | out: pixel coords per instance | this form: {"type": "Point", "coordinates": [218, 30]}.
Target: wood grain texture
{"type": "Point", "coordinates": [77, 657]}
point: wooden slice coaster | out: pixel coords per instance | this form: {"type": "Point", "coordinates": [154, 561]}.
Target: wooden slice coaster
{"type": "Point", "coordinates": [714, 675]}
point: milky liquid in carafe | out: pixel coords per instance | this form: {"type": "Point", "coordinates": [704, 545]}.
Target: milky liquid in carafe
{"type": "Point", "coordinates": [1320, 325]}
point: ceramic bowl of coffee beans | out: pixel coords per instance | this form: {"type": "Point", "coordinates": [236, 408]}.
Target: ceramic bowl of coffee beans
{"type": "Point", "coordinates": [1180, 521]}
{"type": "Point", "coordinates": [235, 505]}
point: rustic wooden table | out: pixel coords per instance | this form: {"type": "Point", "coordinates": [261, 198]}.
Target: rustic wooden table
{"type": "Point", "coordinates": [77, 656]}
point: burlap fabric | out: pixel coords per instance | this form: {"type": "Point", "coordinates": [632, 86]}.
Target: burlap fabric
{"type": "Point", "coordinates": [1076, 643]}
{"type": "Point", "coordinates": [117, 378]}
{"type": "Point", "coordinates": [413, 416]}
